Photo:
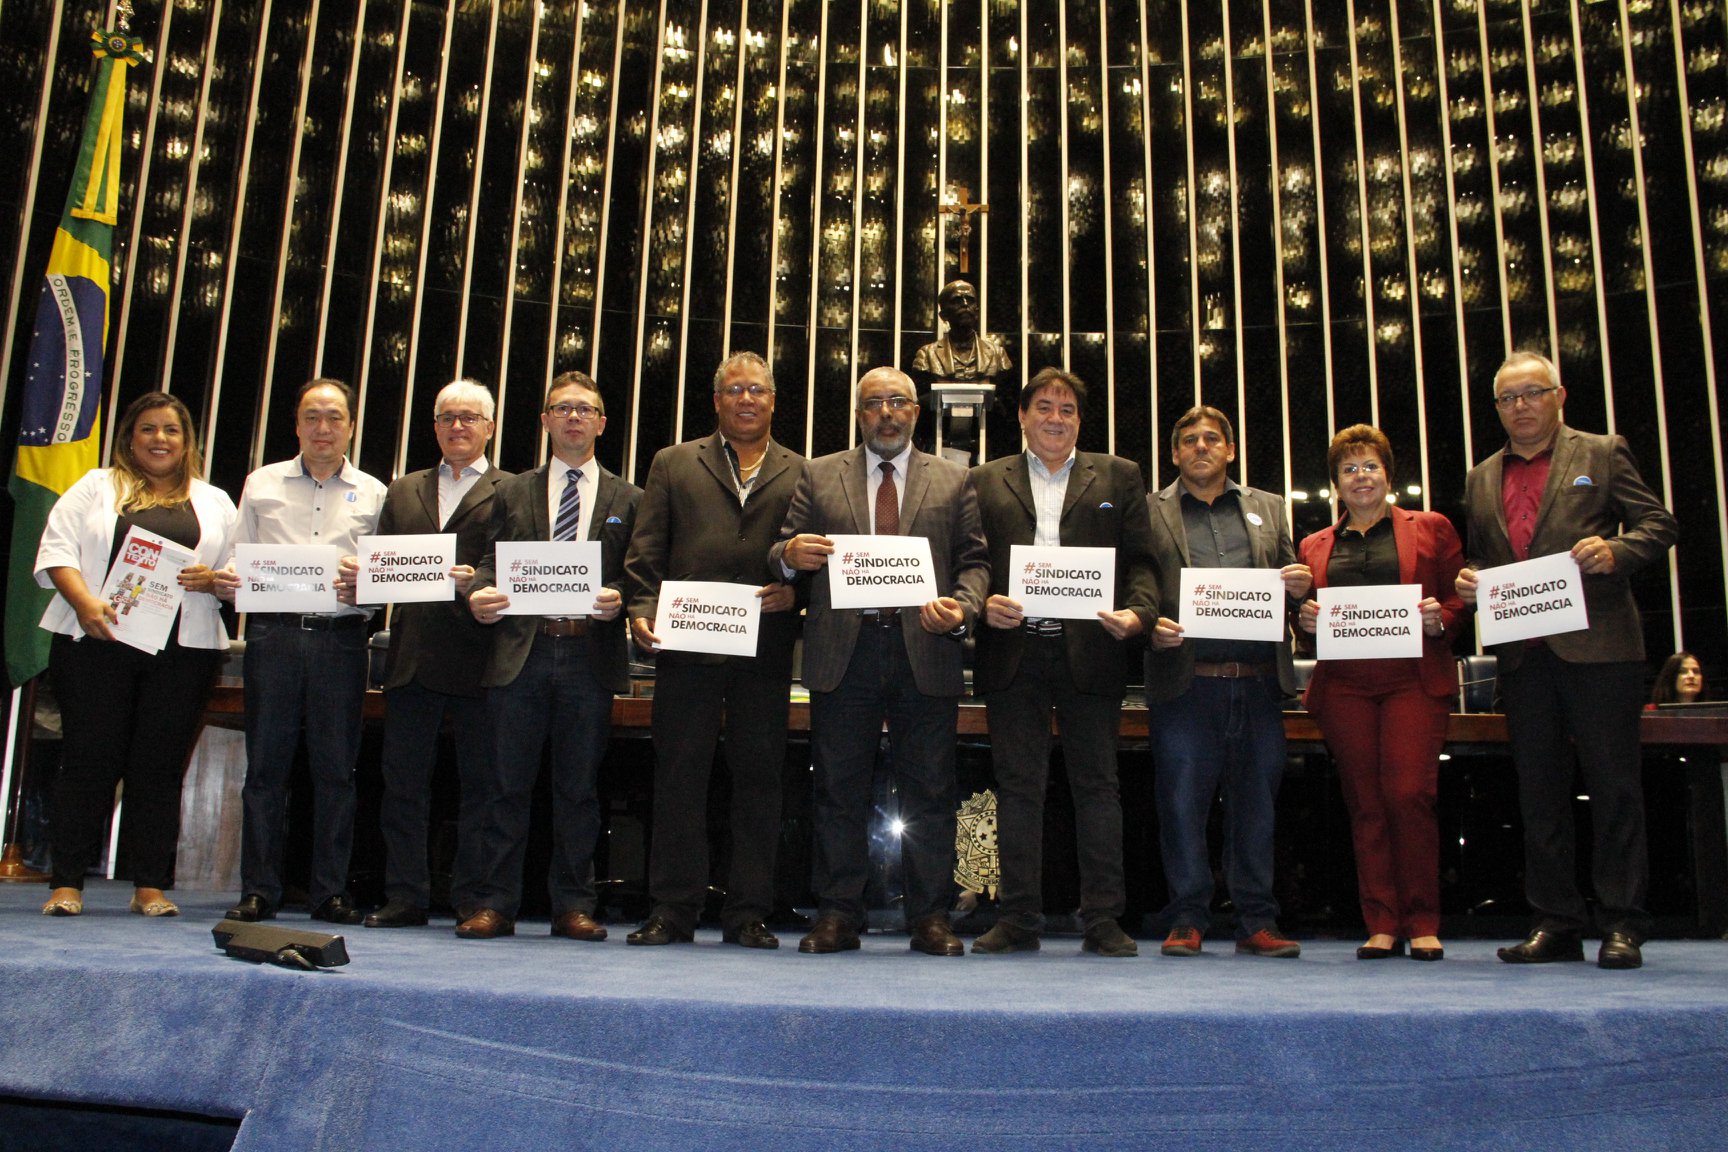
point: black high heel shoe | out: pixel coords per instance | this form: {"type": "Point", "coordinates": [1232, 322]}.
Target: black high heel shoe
{"type": "Point", "coordinates": [1370, 952]}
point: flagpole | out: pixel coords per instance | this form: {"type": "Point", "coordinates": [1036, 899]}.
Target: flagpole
{"type": "Point", "coordinates": [12, 866]}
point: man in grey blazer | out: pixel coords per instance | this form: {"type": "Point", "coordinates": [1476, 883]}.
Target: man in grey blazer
{"type": "Point", "coordinates": [552, 678]}
{"type": "Point", "coordinates": [1053, 495]}
{"type": "Point", "coordinates": [710, 511]}
{"type": "Point", "coordinates": [437, 652]}
{"type": "Point", "coordinates": [1553, 489]}
{"type": "Point", "coordinates": [904, 665]}
{"type": "Point", "coordinates": [1216, 706]}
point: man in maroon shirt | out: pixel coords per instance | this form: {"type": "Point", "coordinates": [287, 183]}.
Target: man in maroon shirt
{"type": "Point", "coordinates": [1553, 489]}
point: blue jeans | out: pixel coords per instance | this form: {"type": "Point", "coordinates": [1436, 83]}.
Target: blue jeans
{"type": "Point", "coordinates": [311, 682]}
{"type": "Point", "coordinates": [555, 698]}
{"type": "Point", "coordinates": [1229, 734]}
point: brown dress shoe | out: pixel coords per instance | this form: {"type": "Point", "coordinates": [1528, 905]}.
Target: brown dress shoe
{"type": "Point", "coordinates": [486, 925]}
{"type": "Point", "coordinates": [932, 936]}
{"type": "Point", "coordinates": [829, 934]}
{"type": "Point", "coordinates": [574, 925]}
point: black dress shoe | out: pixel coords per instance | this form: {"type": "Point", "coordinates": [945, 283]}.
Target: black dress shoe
{"type": "Point", "coordinates": [1619, 950]}
{"type": "Point", "coordinates": [337, 910]}
{"type": "Point", "coordinates": [396, 914]}
{"type": "Point", "coordinates": [252, 908]}
{"type": "Point", "coordinates": [1372, 952]}
{"type": "Point", "coordinates": [1544, 947]}
{"type": "Point", "coordinates": [659, 930]}
{"type": "Point", "coordinates": [829, 934]}
{"type": "Point", "coordinates": [932, 936]}
{"type": "Point", "coordinates": [754, 934]}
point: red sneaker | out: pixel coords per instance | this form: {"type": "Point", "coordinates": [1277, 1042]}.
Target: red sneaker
{"type": "Point", "coordinates": [1267, 942]}
{"type": "Point", "coordinates": [1184, 940]}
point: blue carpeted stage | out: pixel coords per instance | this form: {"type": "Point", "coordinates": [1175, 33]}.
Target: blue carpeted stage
{"type": "Point", "coordinates": [428, 1042]}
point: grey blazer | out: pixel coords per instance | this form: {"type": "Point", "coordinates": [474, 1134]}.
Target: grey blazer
{"type": "Point", "coordinates": [833, 496]}
{"type": "Point", "coordinates": [1594, 489]}
{"type": "Point", "coordinates": [1169, 672]}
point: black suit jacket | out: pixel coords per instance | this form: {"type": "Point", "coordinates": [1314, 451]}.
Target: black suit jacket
{"type": "Point", "coordinates": [519, 513]}
{"type": "Point", "coordinates": [1104, 506]}
{"type": "Point", "coordinates": [1594, 489]}
{"type": "Point", "coordinates": [691, 527]}
{"type": "Point", "coordinates": [439, 646]}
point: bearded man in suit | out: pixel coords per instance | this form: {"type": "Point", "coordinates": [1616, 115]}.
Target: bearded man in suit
{"type": "Point", "coordinates": [1572, 698]}
{"type": "Point", "coordinates": [899, 664]}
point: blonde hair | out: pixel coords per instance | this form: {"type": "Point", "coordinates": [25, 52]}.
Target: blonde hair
{"type": "Point", "coordinates": [132, 490]}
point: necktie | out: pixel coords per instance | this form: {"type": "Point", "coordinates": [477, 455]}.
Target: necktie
{"type": "Point", "coordinates": [569, 507]}
{"type": "Point", "coordinates": [887, 503]}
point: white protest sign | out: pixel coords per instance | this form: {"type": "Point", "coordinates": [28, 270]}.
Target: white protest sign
{"type": "Point", "coordinates": [708, 616]}
{"type": "Point", "coordinates": [1231, 604]}
{"type": "Point", "coordinates": [1531, 599]}
{"type": "Point", "coordinates": [286, 577]}
{"type": "Point", "coordinates": [1377, 622]}
{"type": "Point", "coordinates": [881, 572]}
{"type": "Point", "coordinates": [405, 569]}
{"type": "Point", "coordinates": [1062, 583]}
{"type": "Point", "coordinates": [549, 577]}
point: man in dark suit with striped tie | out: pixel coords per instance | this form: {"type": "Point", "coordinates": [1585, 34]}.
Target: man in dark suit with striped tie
{"type": "Point", "coordinates": [552, 678]}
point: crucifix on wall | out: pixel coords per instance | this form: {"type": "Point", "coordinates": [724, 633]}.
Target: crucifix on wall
{"type": "Point", "coordinates": [961, 205]}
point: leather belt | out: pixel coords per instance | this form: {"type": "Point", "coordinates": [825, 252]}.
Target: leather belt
{"type": "Point", "coordinates": [1041, 627]}
{"type": "Point", "coordinates": [883, 617]}
{"type": "Point", "coordinates": [564, 628]}
{"type": "Point", "coordinates": [1233, 670]}
{"type": "Point", "coordinates": [313, 622]}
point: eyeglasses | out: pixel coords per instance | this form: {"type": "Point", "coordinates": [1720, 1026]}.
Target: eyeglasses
{"type": "Point", "coordinates": [895, 403]}
{"type": "Point", "coordinates": [1367, 468]}
{"type": "Point", "coordinates": [458, 419]}
{"type": "Point", "coordinates": [736, 390]}
{"type": "Point", "coordinates": [1506, 401]}
{"type": "Point", "coordinates": [565, 411]}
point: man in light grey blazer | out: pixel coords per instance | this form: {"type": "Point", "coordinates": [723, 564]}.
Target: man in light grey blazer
{"type": "Point", "coordinates": [1216, 706]}
{"type": "Point", "coordinates": [901, 664]}
{"type": "Point", "coordinates": [1553, 489]}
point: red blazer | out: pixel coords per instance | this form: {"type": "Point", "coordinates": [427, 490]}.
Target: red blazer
{"type": "Point", "coordinates": [1429, 554]}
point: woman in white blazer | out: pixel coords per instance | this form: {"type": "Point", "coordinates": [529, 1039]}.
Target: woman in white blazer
{"type": "Point", "coordinates": [130, 715]}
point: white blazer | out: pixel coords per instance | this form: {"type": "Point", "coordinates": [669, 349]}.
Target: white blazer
{"type": "Point", "coordinates": [80, 534]}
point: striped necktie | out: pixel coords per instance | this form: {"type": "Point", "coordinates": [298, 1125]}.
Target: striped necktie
{"type": "Point", "coordinates": [569, 507]}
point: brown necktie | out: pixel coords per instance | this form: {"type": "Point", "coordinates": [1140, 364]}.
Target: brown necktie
{"type": "Point", "coordinates": [887, 503]}
{"type": "Point", "coordinates": [887, 519]}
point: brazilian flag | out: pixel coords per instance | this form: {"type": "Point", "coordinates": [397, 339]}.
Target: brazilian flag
{"type": "Point", "coordinates": [59, 438]}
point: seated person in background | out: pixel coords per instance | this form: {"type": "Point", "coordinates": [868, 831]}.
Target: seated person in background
{"type": "Point", "coordinates": [1681, 681]}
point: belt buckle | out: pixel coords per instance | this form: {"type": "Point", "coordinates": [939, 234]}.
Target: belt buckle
{"type": "Point", "coordinates": [310, 622]}
{"type": "Point", "coordinates": [1232, 669]}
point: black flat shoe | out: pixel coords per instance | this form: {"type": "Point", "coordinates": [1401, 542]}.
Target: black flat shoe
{"type": "Point", "coordinates": [1427, 953]}
{"type": "Point", "coordinates": [1370, 952]}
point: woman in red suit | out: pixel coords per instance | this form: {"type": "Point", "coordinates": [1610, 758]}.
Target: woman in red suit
{"type": "Point", "coordinates": [1385, 720]}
